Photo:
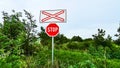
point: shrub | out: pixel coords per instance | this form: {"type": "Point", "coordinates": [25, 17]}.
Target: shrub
{"type": "Point", "coordinates": [115, 52]}
{"type": "Point", "coordinates": [12, 61]}
{"type": "Point", "coordinates": [78, 45]}
{"type": "Point", "coordinates": [114, 63]}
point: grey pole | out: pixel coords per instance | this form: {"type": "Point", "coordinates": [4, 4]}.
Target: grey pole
{"type": "Point", "coordinates": [52, 51]}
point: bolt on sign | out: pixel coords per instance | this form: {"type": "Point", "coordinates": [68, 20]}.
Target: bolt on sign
{"type": "Point", "coordinates": [58, 16]}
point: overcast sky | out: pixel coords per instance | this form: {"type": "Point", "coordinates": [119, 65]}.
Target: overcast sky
{"type": "Point", "coordinates": [84, 17]}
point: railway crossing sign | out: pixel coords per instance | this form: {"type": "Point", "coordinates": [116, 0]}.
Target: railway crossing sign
{"type": "Point", "coordinates": [47, 16]}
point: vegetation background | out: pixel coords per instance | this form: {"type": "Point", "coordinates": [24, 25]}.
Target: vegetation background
{"type": "Point", "coordinates": [22, 47]}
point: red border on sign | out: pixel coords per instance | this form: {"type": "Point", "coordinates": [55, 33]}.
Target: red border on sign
{"type": "Point", "coordinates": [50, 35]}
{"type": "Point", "coordinates": [55, 16]}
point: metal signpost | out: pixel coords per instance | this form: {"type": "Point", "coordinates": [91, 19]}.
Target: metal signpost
{"type": "Point", "coordinates": [52, 51]}
{"type": "Point", "coordinates": [52, 17]}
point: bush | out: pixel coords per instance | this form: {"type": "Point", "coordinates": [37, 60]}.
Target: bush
{"type": "Point", "coordinates": [68, 59]}
{"type": "Point", "coordinates": [114, 63]}
{"type": "Point", "coordinates": [12, 61]}
{"type": "Point", "coordinates": [115, 52]}
{"type": "Point", "coordinates": [96, 52]}
{"type": "Point", "coordinates": [62, 59]}
{"type": "Point", "coordinates": [78, 45]}
{"type": "Point", "coordinates": [106, 63]}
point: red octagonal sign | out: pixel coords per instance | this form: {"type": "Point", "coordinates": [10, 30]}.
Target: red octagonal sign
{"type": "Point", "coordinates": [52, 30]}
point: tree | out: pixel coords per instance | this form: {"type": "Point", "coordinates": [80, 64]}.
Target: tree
{"type": "Point", "coordinates": [99, 38]}
{"type": "Point", "coordinates": [1, 25]}
{"type": "Point", "coordinates": [45, 39]}
{"type": "Point", "coordinates": [118, 35]}
{"type": "Point", "coordinates": [30, 32]}
{"type": "Point", "coordinates": [12, 25]}
{"type": "Point", "coordinates": [88, 39]}
{"type": "Point", "coordinates": [10, 31]}
{"type": "Point", "coordinates": [105, 42]}
{"type": "Point", "coordinates": [76, 38]}
{"type": "Point", "coordinates": [60, 39]}
{"type": "Point", "coordinates": [19, 31]}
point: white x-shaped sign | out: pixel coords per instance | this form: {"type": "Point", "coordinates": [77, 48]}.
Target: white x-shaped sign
{"type": "Point", "coordinates": [53, 16]}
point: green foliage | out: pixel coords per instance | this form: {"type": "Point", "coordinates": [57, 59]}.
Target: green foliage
{"type": "Point", "coordinates": [63, 59]}
{"type": "Point", "coordinates": [44, 38]}
{"type": "Point", "coordinates": [14, 34]}
{"type": "Point", "coordinates": [61, 39]}
{"type": "Point", "coordinates": [30, 31]}
{"type": "Point", "coordinates": [12, 61]}
{"type": "Point", "coordinates": [115, 52]}
{"type": "Point", "coordinates": [78, 45]}
{"type": "Point", "coordinates": [96, 52]}
{"type": "Point", "coordinates": [115, 63]}
{"type": "Point", "coordinates": [43, 58]}
{"type": "Point", "coordinates": [1, 26]}
{"type": "Point", "coordinates": [99, 38]}
{"type": "Point", "coordinates": [76, 38]}
{"type": "Point", "coordinates": [4, 41]}
{"type": "Point", "coordinates": [68, 58]}
{"type": "Point", "coordinates": [88, 39]}
{"type": "Point", "coordinates": [118, 35]}
{"type": "Point", "coordinates": [12, 25]}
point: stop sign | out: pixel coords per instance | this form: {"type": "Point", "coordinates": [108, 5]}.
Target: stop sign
{"type": "Point", "coordinates": [52, 30]}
